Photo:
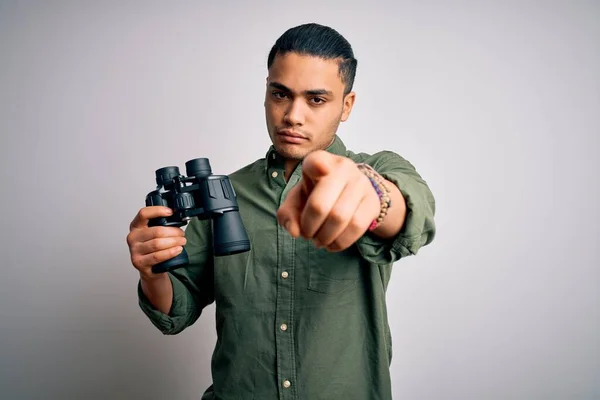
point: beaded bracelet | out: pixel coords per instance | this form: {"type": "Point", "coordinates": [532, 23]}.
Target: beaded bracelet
{"type": "Point", "coordinates": [382, 192]}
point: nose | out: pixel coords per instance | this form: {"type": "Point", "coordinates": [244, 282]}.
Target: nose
{"type": "Point", "coordinates": [295, 113]}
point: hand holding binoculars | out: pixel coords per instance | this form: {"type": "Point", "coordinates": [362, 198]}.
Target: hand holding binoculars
{"type": "Point", "coordinates": [202, 195]}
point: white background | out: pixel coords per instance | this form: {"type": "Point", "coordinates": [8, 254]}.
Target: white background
{"type": "Point", "coordinates": [495, 103]}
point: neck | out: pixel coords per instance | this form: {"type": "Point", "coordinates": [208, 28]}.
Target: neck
{"type": "Point", "coordinates": [290, 166]}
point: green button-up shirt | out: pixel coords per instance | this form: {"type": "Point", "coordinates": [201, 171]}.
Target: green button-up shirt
{"type": "Point", "coordinates": [294, 321]}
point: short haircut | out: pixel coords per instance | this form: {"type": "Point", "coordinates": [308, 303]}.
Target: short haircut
{"type": "Point", "coordinates": [319, 41]}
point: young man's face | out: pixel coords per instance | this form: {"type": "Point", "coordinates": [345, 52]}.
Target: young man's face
{"type": "Point", "coordinates": [304, 104]}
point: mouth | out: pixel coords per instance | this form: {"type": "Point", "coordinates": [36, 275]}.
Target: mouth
{"type": "Point", "coordinates": [291, 134]}
{"type": "Point", "coordinates": [291, 137]}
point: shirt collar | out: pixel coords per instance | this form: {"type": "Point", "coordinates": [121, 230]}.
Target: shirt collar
{"type": "Point", "coordinates": [274, 159]}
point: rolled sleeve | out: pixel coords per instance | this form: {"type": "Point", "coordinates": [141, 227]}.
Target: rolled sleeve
{"type": "Point", "coordinates": [419, 226]}
{"type": "Point", "coordinates": [183, 310]}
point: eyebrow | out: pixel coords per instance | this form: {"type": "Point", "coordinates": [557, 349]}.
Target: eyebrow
{"type": "Point", "coordinates": [311, 92]}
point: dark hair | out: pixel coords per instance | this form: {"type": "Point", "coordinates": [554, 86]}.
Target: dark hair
{"type": "Point", "coordinates": [318, 41]}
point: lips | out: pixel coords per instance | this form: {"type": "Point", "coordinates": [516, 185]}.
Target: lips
{"type": "Point", "coordinates": [290, 137]}
{"type": "Point", "coordinates": [288, 133]}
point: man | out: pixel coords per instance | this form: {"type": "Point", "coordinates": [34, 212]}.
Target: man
{"type": "Point", "coordinates": [302, 315]}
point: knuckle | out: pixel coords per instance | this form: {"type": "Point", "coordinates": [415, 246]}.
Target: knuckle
{"type": "Point", "coordinates": [155, 258]}
{"type": "Point", "coordinates": [281, 212]}
{"type": "Point", "coordinates": [338, 216]}
{"type": "Point", "coordinates": [160, 232]}
{"type": "Point", "coordinates": [324, 240]}
{"type": "Point", "coordinates": [282, 217]}
{"type": "Point", "coordinates": [355, 222]}
{"type": "Point", "coordinates": [339, 245]}
{"type": "Point", "coordinates": [136, 260]}
{"type": "Point", "coordinates": [346, 162]}
{"type": "Point", "coordinates": [134, 222]}
{"type": "Point", "coordinates": [134, 249]}
{"type": "Point", "coordinates": [333, 247]}
{"type": "Point", "coordinates": [143, 212]}
{"type": "Point", "coordinates": [155, 245]}
{"type": "Point", "coordinates": [316, 208]}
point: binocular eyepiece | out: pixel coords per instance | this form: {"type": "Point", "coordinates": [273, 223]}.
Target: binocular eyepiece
{"type": "Point", "coordinates": [205, 196]}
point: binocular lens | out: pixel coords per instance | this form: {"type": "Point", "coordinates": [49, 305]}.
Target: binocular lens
{"type": "Point", "coordinates": [198, 167]}
{"type": "Point", "coordinates": [165, 175]}
{"type": "Point", "coordinates": [229, 234]}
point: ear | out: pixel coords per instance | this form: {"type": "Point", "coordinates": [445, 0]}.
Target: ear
{"type": "Point", "coordinates": [348, 104]}
{"type": "Point", "coordinates": [266, 90]}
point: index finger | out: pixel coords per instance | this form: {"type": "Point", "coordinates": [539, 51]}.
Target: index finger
{"type": "Point", "coordinates": [158, 232]}
{"type": "Point", "coordinates": [147, 213]}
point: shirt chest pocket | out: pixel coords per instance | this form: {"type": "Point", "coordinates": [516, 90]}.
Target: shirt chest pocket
{"type": "Point", "coordinates": [333, 272]}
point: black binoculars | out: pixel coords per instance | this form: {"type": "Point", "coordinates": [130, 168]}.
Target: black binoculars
{"type": "Point", "coordinates": [205, 196]}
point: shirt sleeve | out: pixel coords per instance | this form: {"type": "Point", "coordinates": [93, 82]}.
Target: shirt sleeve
{"type": "Point", "coordinates": [192, 284]}
{"type": "Point", "coordinates": [419, 226]}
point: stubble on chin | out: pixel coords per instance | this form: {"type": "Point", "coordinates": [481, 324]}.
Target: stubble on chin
{"type": "Point", "coordinates": [293, 154]}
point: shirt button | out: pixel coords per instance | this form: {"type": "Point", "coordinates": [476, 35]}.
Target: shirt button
{"type": "Point", "coordinates": [286, 384]}
{"type": "Point", "coordinates": [284, 274]}
{"type": "Point", "coordinates": [283, 327]}
{"type": "Point", "coordinates": [274, 174]}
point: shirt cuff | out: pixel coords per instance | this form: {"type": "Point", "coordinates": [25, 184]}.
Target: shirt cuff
{"type": "Point", "coordinates": [418, 229]}
{"type": "Point", "coordinates": [182, 306]}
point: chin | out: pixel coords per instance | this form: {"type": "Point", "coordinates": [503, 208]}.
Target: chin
{"type": "Point", "coordinates": [290, 152]}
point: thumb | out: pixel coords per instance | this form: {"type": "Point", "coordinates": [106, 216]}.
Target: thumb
{"type": "Point", "coordinates": [289, 213]}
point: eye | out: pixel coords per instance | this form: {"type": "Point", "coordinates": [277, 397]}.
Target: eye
{"type": "Point", "coordinates": [279, 94]}
{"type": "Point", "coordinates": [317, 100]}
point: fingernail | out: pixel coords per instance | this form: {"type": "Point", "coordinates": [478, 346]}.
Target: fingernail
{"type": "Point", "coordinates": [287, 224]}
